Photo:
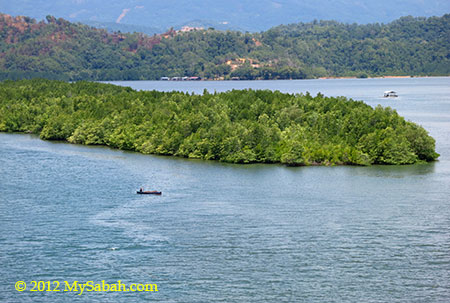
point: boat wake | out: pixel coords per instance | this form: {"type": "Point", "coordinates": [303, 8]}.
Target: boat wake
{"type": "Point", "coordinates": [127, 218]}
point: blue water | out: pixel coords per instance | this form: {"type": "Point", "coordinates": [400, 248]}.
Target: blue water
{"type": "Point", "coordinates": [231, 233]}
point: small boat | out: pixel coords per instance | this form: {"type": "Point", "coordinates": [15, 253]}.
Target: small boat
{"type": "Point", "coordinates": [148, 192]}
{"type": "Point", "coordinates": [390, 93]}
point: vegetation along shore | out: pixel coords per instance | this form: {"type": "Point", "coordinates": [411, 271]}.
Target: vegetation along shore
{"type": "Point", "coordinates": [239, 126]}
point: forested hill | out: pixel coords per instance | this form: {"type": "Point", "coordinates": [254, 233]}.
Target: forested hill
{"type": "Point", "coordinates": [239, 126]}
{"type": "Point", "coordinates": [59, 49]}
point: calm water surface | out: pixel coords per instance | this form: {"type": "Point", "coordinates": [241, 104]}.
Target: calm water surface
{"type": "Point", "coordinates": [231, 233]}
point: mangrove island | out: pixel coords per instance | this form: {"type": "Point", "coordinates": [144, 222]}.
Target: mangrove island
{"type": "Point", "coordinates": [238, 126]}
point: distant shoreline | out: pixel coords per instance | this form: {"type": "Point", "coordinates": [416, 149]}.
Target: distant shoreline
{"type": "Point", "coordinates": [319, 78]}
{"type": "Point", "coordinates": [381, 77]}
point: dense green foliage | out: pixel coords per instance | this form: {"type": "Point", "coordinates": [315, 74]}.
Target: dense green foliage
{"type": "Point", "coordinates": [237, 126]}
{"type": "Point", "coordinates": [62, 50]}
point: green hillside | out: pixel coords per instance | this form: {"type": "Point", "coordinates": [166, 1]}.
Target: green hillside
{"type": "Point", "coordinates": [58, 49]}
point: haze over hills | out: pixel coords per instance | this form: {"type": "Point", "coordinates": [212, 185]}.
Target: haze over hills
{"type": "Point", "coordinates": [230, 14]}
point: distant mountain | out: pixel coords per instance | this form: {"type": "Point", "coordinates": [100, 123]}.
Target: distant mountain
{"type": "Point", "coordinates": [60, 49]}
{"type": "Point", "coordinates": [231, 14]}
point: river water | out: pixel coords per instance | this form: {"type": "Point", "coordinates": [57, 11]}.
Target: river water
{"type": "Point", "coordinates": [231, 233]}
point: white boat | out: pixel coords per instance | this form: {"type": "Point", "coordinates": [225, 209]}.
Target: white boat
{"type": "Point", "coordinates": [390, 93]}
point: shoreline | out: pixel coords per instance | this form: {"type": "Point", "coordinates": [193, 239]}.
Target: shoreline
{"type": "Point", "coordinates": [381, 77]}
{"type": "Point", "coordinates": [169, 156]}
{"type": "Point", "coordinates": [319, 78]}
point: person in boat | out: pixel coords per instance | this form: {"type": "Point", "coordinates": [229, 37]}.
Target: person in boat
{"type": "Point", "coordinates": [140, 189]}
